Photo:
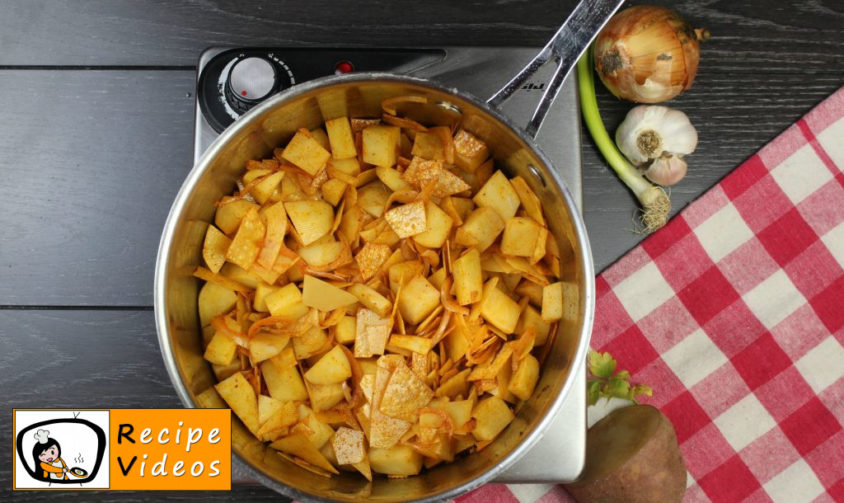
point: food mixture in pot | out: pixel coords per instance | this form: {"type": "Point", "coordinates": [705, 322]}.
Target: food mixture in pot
{"type": "Point", "coordinates": [378, 297]}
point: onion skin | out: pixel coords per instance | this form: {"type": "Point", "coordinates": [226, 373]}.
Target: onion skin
{"type": "Point", "coordinates": [647, 54]}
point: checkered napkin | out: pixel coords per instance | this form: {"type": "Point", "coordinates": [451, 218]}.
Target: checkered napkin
{"type": "Point", "coordinates": [734, 313]}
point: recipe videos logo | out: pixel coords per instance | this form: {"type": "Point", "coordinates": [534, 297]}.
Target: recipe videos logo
{"type": "Point", "coordinates": [122, 449]}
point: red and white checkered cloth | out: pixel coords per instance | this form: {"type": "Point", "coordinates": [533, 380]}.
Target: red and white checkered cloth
{"type": "Point", "coordinates": [734, 314]}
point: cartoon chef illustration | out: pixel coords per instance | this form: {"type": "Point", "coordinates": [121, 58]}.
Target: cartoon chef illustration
{"type": "Point", "coordinates": [47, 456]}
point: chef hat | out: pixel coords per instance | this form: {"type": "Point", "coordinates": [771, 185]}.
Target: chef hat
{"type": "Point", "coordinates": [42, 436]}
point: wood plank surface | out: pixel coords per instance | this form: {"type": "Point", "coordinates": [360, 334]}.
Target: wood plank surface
{"type": "Point", "coordinates": [91, 162]}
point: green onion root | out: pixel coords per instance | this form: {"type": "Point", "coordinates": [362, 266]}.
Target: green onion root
{"type": "Point", "coordinates": [654, 200]}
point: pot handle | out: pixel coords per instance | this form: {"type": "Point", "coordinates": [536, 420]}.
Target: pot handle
{"type": "Point", "coordinates": [566, 46]}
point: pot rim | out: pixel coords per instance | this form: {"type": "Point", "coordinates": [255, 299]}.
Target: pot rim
{"type": "Point", "coordinates": [189, 184]}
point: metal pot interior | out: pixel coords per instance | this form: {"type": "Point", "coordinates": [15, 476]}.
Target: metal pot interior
{"type": "Point", "coordinates": [271, 124]}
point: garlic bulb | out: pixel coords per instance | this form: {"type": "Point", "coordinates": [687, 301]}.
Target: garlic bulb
{"type": "Point", "coordinates": [651, 132]}
{"type": "Point", "coordinates": [666, 170]}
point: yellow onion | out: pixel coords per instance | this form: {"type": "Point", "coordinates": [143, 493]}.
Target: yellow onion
{"type": "Point", "coordinates": [647, 54]}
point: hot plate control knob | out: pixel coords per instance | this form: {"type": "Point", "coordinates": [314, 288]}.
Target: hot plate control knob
{"type": "Point", "coordinates": [251, 80]}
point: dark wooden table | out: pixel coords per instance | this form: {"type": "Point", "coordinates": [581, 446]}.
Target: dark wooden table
{"type": "Point", "coordinates": [96, 131]}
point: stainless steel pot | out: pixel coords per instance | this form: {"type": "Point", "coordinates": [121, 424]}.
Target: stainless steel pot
{"type": "Point", "coordinates": [310, 104]}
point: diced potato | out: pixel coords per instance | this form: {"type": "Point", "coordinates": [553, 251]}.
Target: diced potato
{"type": "Point", "coordinates": [263, 190]}
{"type": "Point", "coordinates": [459, 411]}
{"type": "Point", "coordinates": [310, 343]}
{"type": "Point", "coordinates": [403, 272]}
{"type": "Point", "coordinates": [312, 219]}
{"type": "Point", "coordinates": [480, 229]}
{"type": "Point", "coordinates": [214, 248]}
{"type": "Point", "coordinates": [521, 236]}
{"type": "Point", "coordinates": [325, 296]}
{"type": "Point", "coordinates": [468, 278]}
{"type": "Point", "coordinates": [210, 399]}
{"type": "Point", "coordinates": [275, 218]}
{"type": "Point", "coordinates": [530, 202]}
{"type": "Point", "coordinates": [370, 298]}
{"type": "Point", "coordinates": [223, 372]}
{"type": "Point", "coordinates": [332, 368]}
{"type": "Point", "coordinates": [246, 244]}
{"type": "Point", "coordinates": [463, 206]}
{"type": "Point", "coordinates": [407, 220]}
{"type": "Point", "coordinates": [345, 331]}
{"type": "Point", "coordinates": [277, 425]}
{"type": "Point", "coordinates": [286, 301]}
{"type": "Point", "coordinates": [325, 396]}
{"type": "Point", "coordinates": [531, 319]}
{"type": "Point", "coordinates": [349, 446]}
{"type": "Point", "coordinates": [315, 430]}
{"type": "Point", "coordinates": [456, 344]}
{"type": "Point", "coordinates": [532, 291]}
{"type": "Point", "coordinates": [438, 227]}
{"type": "Point", "coordinates": [298, 445]}
{"type": "Point", "coordinates": [372, 198]}
{"type": "Point", "coordinates": [371, 257]}
{"type": "Point", "coordinates": [469, 151]}
{"type": "Point", "coordinates": [371, 333]}
{"type": "Point", "coordinates": [498, 194]}
{"type": "Point", "coordinates": [321, 137]}
{"type": "Point", "coordinates": [239, 394]}
{"type": "Point", "coordinates": [228, 216]}
{"type": "Point", "coordinates": [220, 350]}
{"type": "Point", "coordinates": [417, 300]}
{"type": "Point", "coordinates": [350, 166]}
{"type": "Point", "coordinates": [454, 386]}
{"type": "Point", "coordinates": [438, 277]}
{"type": "Point", "coordinates": [492, 415]}
{"type": "Point", "coordinates": [341, 138]}
{"type": "Point", "coordinates": [333, 190]}
{"type": "Point", "coordinates": [428, 146]}
{"type": "Point", "coordinates": [380, 144]}
{"type": "Point", "coordinates": [523, 381]}
{"type": "Point", "coordinates": [392, 179]}
{"type": "Point", "coordinates": [305, 152]}
{"type": "Point", "coordinates": [321, 253]}
{"type": "Point", "coordinates": [498, 309]}
{"type": "Point", "coordinates": [398, 460]}
{"type": "Point", "coordinates": [265, 346]}
{"type": "Point", "coordinates": [236, 273]}
{"type": "Point", "coordinates": [214, 300]}
{"type": "Point", "coordinates": [502, 383]}
{"type": "Point", "coordinates": [259, 303]}
{"type": "Point", "coordinates": [268, 407]}
{"type": "Point", "coordinates": [283, 383]}
{"type": "Point", "coordinates": [421, 345]}
{"type": "Point", "coordinates": [552, 301]}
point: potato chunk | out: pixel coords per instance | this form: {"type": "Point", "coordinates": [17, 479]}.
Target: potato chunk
{"type": "Point", "coordinates": [214, 248]}
{"type": "Point", "coordinates": [499, 309]}
{"type": "Point", "coordinates": [283, 383]}
{"type": "Point", "coordinates": [469, 151]}
{"type": "Point", "coordinates": [332, 368]}
{"type": "Point", "coordinates": [498, 193]}
{"type": "Point", "coordinates": [380, 144]}
{"type": "Point", "coordinates": [246, 244]}
{"type": "Point", "coordinates": [480, 229]}
{"type": "Point", "coordinates": [241, 397]}
{"type": "Point", "coordinates": [220, 350]}
{"type": "Point", "coordinates": [468, 278]}
{"type": "Point", "coordinates": [399, 460]}
{"type": "Point", "coordinates": [552, 301]}
{"type": "Point", "coordinates": [287, 301]}
{"type": "Point", "coordinates": [523, 380]}
{"type": "Point", "coordinates": [325, 296]}
{"type": "Point", "coordinates": [492, 415]}
{"type": "Point", "coordinates": [437, 229]}
{"type": "Point", "coordinates": [521, 236]}
{"type": "Point", "coordinates": [311, 219]}
{"type": "Point", "coordinates": [305, 152]}
{"type": "Point", "coordinates": [417, 300]}
{"type": "Point", "coordinates": [340, 137]}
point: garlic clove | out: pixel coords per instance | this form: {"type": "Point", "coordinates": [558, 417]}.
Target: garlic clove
{"type": "Point", "coordinates": [666, 170]}
{"type": "Point", "coordinates": [649, 132]}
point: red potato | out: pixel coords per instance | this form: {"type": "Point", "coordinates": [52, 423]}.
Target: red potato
{"type": "Point", "coordinates": [632, 456]}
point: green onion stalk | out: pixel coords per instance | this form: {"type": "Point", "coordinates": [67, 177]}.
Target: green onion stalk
{"type": "Point", "coordinates": [655, 203]}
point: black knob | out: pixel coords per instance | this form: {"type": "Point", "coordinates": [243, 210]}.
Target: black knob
{"type": "Point", "coordinates": [250, 81]}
